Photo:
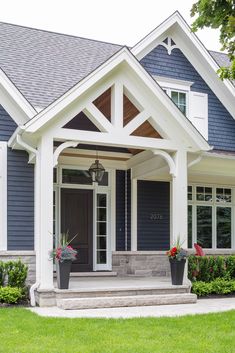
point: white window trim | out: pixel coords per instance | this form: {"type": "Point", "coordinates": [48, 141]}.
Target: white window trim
{"type": "Point", "coordinates": [110, 211]}
{"type": "Point", "coordinates": [173, 83]}
{"type": "Point", "coordinates": [170, 84]}
{"type": "Point", "coordinates": [194, 203]}
{"type": "Point", "coordinates": [3, 195]}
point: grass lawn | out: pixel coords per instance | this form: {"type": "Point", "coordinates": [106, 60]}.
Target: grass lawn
{"type": "Point", "coordinates": [22, 331]}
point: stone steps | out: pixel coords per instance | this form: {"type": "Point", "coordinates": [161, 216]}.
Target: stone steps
{"type": "Point", "coordinates": [120, 291]}
{"type": "Point", "coordinates": [126, 301]}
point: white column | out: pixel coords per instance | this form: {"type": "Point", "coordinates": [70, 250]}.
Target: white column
{"type": "Point", "coordinates": [179, 200]}
{"type": "Point", "coordinates": [44, 212]}
{"type": "Point", "coordinates": [133, 214]}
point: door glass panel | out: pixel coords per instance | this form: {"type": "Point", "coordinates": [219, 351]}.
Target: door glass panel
{"type": "Point", "coordinates": [101, 257]}
{"type": "Point", "coordinates": [75, 176]}
{"type": "Point", "coordinates": [101, 229]}
{"type": "Point", "coordinates": [223, 223]}
{"type": "Point", "coordinates": [204, 226]}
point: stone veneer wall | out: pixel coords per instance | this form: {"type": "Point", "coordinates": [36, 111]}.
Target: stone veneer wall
{"type": "Point", "coordinates": [27, 257]}
{"type": "Point", "coordinates": [140, 263]}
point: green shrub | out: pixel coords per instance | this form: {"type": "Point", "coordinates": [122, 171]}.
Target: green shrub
{"type": "Point", "coordinates": [202, 289]}
{"type": "Point", "coordinates": [2, 273]}
{"type": "Point", "coordinates": [218, 286]}
{"type": "Point", "coordinates": [208, 268]}
{"type": "Point", "coordinates": [10, 295]}
{"type": "Point", "coordinates": [16, 273]}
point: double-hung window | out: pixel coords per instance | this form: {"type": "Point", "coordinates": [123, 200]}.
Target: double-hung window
{"type": "Point", "coordinates": [193, 104]}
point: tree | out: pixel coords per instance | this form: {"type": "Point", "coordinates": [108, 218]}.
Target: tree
{"type": "Point", "coordinates": [218, 14]}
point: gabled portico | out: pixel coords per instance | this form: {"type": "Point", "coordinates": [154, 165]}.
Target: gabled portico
{"type": "Point", "coordinates": [141, 119]}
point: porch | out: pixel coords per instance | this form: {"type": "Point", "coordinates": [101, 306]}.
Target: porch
{"type": "Point", "coordinates": [145, 144]}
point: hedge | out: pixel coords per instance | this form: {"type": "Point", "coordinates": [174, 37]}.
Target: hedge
{"type": "Point", "coordinates": [209, 268]}
{"type": "Point", "coordinates": [218, 286]}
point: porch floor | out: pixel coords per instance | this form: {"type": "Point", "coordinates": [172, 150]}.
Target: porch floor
{"type": "Point", "coordinates": [119, 283]}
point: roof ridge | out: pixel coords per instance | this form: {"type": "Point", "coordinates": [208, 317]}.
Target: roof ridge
{"type": "Point", "coordinates": [61, 34]}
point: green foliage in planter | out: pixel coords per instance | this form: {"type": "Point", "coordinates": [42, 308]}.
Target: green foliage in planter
{"type": "Point", "coordinates": [17, 273]}
{"type": "Point", "coordinates": [208, 268]}
{"type": "Point", "coordinates": [2, 273]}
{"type": "Point", "coordinates": [218, 286]}
{"type": "Point", "coordinates": [10, 295]}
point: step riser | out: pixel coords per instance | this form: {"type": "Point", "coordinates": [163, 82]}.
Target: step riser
{"type": "Point", "coordinates": [117, 302]}
{"type": "Point", "coordinates": [119, 293]}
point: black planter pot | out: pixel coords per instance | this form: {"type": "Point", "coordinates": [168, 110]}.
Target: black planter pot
{"type": "Point", "coordinates": [177, 271]}
{"type": "Point", "coordinates": [63, 272]}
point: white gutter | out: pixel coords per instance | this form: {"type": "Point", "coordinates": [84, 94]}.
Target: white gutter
{"type": "Point", "coordinates": [23, 144]}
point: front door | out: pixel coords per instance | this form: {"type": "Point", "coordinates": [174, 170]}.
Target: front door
{"type": "Point", "coordinates": [77, 218]}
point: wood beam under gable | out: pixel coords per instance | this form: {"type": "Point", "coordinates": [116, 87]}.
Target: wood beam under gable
{"type": "Point", "coordinates": [115, 138]}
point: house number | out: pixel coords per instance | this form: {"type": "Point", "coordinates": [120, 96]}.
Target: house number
{"type": "Point", "coordinates": [155, 216]}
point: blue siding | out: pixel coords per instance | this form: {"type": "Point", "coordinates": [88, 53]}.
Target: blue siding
{"type": "Point", "coordinates": [120, 210]}
{"type": "Point", "coordinates": [153, 212]}
{"type": "Point", "coordinates": [7, 125]}
{"type": "Point", "coordinates": [221, 123]}
{"type": "Point", "coordinates": [20, 192]}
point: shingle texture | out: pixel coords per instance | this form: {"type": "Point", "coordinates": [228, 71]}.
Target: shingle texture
{"type": "Point", "coordinates": [44, 65]}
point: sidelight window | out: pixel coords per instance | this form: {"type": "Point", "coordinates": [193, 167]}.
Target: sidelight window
{"type": "Point", "coordinates": [101, 228]}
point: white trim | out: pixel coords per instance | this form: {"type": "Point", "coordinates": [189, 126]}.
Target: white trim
{"type": "Point", "coordinates": [110, 191]}
{"type": "Point", "coordinates": [134, 215]}
{"type": "Point", "coordinates": [17, 253]}
{"type": "Point", "coordinates": [60, 148]}
{"type": "Point", "coordinates": [172, 83]}
{"type": "Point", "coordinates": [3, 195]}
{"type": "Point", "coordinates": [14, 102]}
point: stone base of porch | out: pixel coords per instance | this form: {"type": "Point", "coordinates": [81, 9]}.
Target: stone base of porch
{"type": "Point", "coordinates": [88, 292]}
{"type": "Point", "coordinates": [141, 263]}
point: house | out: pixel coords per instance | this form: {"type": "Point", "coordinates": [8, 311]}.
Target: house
{"type": "Point", "coordinates": [158, 119]}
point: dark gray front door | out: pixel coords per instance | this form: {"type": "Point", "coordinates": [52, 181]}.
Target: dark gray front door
{"type": "Point", "coordinates": [77, 218]}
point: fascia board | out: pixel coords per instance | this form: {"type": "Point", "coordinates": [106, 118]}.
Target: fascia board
{"type": "Point", "coordinates": [14, 102]}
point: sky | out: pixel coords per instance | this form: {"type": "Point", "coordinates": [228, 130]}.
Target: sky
{"type": "Point", "coordinates": [119, 21]}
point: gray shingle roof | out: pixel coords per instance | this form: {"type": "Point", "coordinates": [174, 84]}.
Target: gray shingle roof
{"type": "Point", "coordinates": [222, 59]}
{"type": "Point", "coordinates": [44, 65]}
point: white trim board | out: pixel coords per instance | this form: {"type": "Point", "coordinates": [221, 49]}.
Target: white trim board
{"type": "Point", "coordinates": [14, 102]}
{"type": "Point", "coordinates": [3, 196]}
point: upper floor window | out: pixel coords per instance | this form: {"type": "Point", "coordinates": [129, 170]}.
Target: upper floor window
{"type": "Point", "coordinates": [179, 98]}
{"type": "Point", "coordinates": [192, 104]}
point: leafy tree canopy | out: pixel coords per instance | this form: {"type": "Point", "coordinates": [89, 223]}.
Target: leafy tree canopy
{"type": "Point", "coordinates": [218, 14]}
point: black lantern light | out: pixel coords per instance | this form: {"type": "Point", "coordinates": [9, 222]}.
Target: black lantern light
{"type": "Point", "coordinates": [96, 170]}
